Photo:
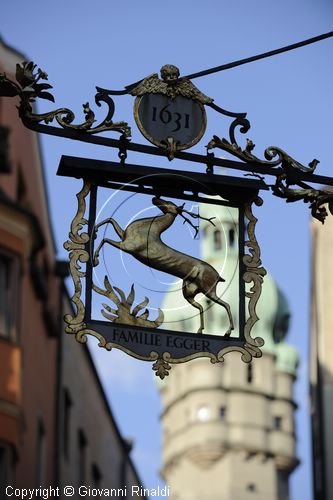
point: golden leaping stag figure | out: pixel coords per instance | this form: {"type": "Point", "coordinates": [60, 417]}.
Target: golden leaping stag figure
{"type": "Point", "coordinates": [142, 239]}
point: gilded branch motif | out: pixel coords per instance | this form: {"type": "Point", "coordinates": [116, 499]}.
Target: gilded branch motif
{"type": "Point", "coordinates": [122, 313]}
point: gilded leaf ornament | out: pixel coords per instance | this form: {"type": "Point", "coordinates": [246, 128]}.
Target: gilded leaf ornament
{"type": "Point", "coordinates": [123, 312]}
{"type": "Point", "coordinates": [161, 368]}
{"type": "Point", "coordinates": [28, 88]}
{"type": "Point", "coordinates": [288, 172]}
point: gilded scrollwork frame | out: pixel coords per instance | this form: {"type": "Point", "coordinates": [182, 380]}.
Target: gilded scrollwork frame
{"type": "Point", "coordinates": [78, 247]}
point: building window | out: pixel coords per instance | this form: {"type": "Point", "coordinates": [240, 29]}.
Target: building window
{"type": "Point", "coordinates": [82, 452]}
{"type": "Point", "coordinates": [277, 423]}
{"type": "Point", "coordinates": [3, 465]}
{"type": "Point", "coordinates": [5, 164]}
{"type": "Point", "coordinates": [67, 415]}
{"type": "Point", "coordinates": [21, 190]}
{"type": "Point", "coordinates": [203, 413]}
{"type": "Point", "coordinates": [8, 295]}
{"type": "Point", "coordinates": [7, 465]}
{"type": "Point", "coordinates": [41, 453]}
{"type": "Point", "coordinates": [217, 240]}
{"type": "Point", "coordinates": [96, 476]}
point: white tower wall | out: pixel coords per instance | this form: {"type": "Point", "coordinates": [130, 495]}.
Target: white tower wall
{"type": "Point", "coordinates": [228, 429]}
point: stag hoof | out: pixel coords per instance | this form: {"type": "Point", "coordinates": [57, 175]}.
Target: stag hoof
{"type": "Point", "coordinates": [96, 261]}
{"type": "Point", "coordinates": [200, 330]}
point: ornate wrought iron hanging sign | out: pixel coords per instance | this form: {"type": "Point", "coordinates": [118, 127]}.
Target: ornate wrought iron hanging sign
{"type": "Point", "coordinates": [121, 317]}
{"type": "Point", "coordinates": [120, 250]}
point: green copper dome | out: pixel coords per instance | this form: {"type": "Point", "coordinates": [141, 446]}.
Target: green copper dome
{"type": "Point", "coordinates": [221, 251]}
{"type": "Point", "coordinates": [273, 325]}
{"type": "Point", "coordinates": [287, 358]}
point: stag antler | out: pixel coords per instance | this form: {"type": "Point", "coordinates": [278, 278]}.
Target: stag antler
{"type": "Point", "coordinates": [181, 210]}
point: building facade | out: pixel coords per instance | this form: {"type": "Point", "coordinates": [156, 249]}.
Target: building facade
{"type": "Point", "coordinates": [56, 427]}
{"type": "Point", "coordinates": [321, 359]}
{"type": "Point", "coordinates": [228, 429]}
{"type": "Point", "coordinates": [29, 302]}
{"type": "Point", "coordinates": [91, 451]}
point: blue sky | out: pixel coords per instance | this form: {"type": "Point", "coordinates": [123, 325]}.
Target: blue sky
{"type": "Point", "coordinates": [288, 99]}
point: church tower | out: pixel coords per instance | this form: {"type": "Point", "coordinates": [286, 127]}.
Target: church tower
{"type": "Point", "coordinates": [228, 429]}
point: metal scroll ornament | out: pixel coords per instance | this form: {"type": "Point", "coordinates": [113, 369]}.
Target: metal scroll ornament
{"type": "Point", "coordinates": [170, 113]}
{"type": "Point", "coordinates": [127, 323]}
{"type": "Point", "coordinates": [29, 86]}
{"type": "Point", "coordinates": [287, 171]}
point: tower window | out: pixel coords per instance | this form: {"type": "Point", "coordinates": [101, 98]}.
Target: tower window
{"type": "Point", "coordinates": [223, 412]}
{"type": "Point", "coordinates": [209, 311]}
{"type": "Point", "coordinates": [203, 413]}
{"type": "Point", "coordinates": [217, 240]}
{"type": "Point", "coordinates": [249, 373]}
{"type": "Point", "coordinates": [278, 423]}
{"type": "Point", "coordinates": [232, 240]}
